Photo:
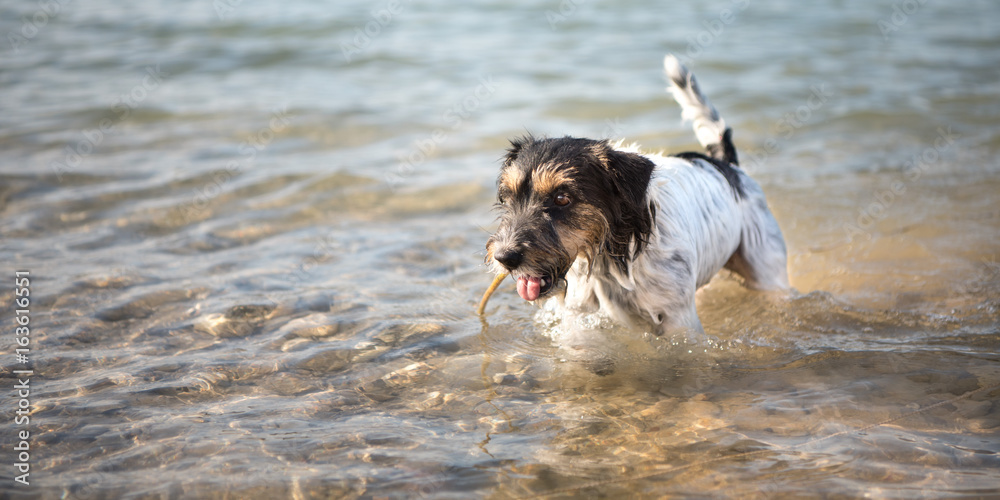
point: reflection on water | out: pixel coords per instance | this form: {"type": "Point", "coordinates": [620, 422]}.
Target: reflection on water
{"type": "Point", "coordinates": [244, 307]}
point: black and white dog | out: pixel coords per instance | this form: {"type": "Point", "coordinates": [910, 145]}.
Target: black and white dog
{"type": "Point", "coordinates": [604, 227]}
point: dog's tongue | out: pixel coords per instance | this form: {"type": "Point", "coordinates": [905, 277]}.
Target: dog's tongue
{"type": "Point", "coordinates": [529, 287]}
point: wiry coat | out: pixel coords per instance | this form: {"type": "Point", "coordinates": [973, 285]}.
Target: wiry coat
{"type": "Point", "coordinates": [630, 234]}
{"type": "Point", "coordinates": [701, 225]}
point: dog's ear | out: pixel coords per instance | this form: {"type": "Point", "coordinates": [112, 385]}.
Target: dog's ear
{"type": "Point", "coordinates": [516, 144]}
{"type": "Point", "coordinates": [631, 217]}
{"type": "Point", "coordinates": [630, 173]}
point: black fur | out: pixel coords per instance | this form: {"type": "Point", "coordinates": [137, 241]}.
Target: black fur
{"type": "Point", "coordinates": [630, 174]}
{"type": "Point", "coordinates": [724, 150]}
{"type": "Point", "coordinates": [613, 181]}
{"type": "Point", "coordinates": [515, 148]}
{"type": "Point", "coordinates": [727, 170]}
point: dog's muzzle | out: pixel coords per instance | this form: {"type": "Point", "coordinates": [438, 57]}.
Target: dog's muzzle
{"type": "Point", "coordinates": [528, 287]}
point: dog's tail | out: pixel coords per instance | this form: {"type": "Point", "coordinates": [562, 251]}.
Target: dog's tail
{"type": "Point", "coordinates": [709, 127]}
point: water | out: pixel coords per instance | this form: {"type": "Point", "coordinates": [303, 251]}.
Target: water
{"type": "Point", "coordinates": [255, 251]}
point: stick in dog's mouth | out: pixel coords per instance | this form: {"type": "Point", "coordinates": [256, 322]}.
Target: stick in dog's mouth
{"type": "Point", "coordinates": [489, 291]}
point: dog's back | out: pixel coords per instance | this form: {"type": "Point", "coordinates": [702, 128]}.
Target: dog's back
{"type": "Point", "coordinates": [709, 214]}
{"type": "Point", "coordinates": [761, 257]}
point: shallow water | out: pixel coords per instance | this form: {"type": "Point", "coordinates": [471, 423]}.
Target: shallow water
{"type": "Point", "coordinates": [258, 279]}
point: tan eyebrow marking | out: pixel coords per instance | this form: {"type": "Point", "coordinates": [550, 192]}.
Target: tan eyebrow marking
{"type": "Point", "coordinates": [548, 179]}
{"type": "Point", "coordinates": [511, 178]}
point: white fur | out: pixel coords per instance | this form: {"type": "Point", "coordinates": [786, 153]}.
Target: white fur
{"type": "Point", "coordinates": [695, 107]}
{"type": "Point", "coordinates": [700, 224]}
{"type": "Point", "coordinates": [697, 219]}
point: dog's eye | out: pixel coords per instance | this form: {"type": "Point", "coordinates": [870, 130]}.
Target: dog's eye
{"type": "Point", "coordinates": [561, 199]}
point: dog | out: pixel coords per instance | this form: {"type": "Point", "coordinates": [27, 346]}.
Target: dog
{"type": "Point", "coordinates": [603, 227]}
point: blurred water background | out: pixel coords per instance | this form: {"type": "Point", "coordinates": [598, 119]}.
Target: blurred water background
{"type": "Point", "coordinates": [255, 233]}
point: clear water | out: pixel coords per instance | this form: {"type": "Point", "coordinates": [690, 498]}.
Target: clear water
{"type": "Point", "coordinates": [259, 279]}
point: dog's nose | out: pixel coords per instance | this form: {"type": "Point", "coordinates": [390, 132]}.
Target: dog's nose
{"type": "Point", "coordinates": [509, 258]}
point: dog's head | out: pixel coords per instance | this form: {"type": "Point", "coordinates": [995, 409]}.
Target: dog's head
{"type": "Point", "coordinates": [566, 198]}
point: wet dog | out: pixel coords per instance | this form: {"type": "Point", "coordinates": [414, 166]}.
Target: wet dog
{"type": "Point", "coordinates": [604, 227]}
